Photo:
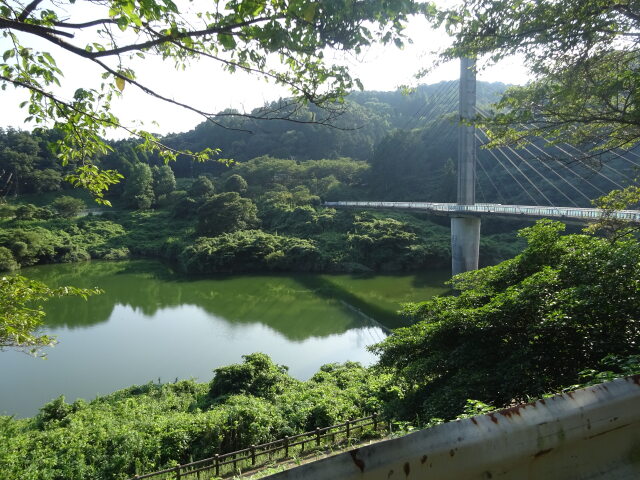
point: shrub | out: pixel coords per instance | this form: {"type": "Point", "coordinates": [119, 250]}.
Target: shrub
{"type": "Point", "coordinates": [7, 262]}
{"type": "Point", "coordinates": [68, 207]}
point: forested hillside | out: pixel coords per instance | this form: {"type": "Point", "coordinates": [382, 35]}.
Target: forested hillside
{"type": "Point", "coordinates": [260, 208]}
{"type": "Point", "coordinates": [260, 211]}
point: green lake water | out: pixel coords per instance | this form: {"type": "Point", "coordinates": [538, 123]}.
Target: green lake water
{"type": "Point", "coordinates": [153, 324]}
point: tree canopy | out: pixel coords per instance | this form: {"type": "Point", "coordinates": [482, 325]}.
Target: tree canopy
{"type": "Point", "coordinates": [281, 41]}
{"type": "Point", "coordinates": [584, 58]}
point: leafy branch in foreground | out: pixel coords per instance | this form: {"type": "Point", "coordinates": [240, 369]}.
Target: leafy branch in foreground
{"type": "Point", "coordinates": [583, 56]}
{"type": "Point", "coordinates": [284, 42]}
{"type": "Point", "coordinates": [21, 319]}
{"type": "Point", "coordinates": [611, 226]}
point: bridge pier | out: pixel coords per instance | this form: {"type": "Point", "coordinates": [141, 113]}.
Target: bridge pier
{"type": "Point", "coordinates": [465, 244]}
{"type": "Point", "coordinates": [465, 231]}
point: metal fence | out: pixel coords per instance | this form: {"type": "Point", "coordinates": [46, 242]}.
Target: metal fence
{"type": "Point", "coordinates": [255, 456]}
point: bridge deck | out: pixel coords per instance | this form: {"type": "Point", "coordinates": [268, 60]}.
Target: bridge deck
{"type": "Point", "coordinates": [494, 209]}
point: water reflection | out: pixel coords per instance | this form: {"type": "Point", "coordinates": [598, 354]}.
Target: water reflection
{"type": "Point", "coordinates": [152, 323]}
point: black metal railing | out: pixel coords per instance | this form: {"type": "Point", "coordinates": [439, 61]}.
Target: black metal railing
{"type": "Point", "coordinates": [255, 456]}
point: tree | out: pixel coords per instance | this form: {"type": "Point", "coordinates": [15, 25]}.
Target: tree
{"type": "Point", "coordinates": [138, 191]}
{"type": "Point", "coordinates": [201, 188]}
{"type": "Point", "coordinates": [226, 212]}
{"type": "Point", "coordinates": [20, 320]}
{"type": "Point", "coordinates": [257, 376]}
{"type": "Point", "coordinates": [164, 181]}
{"type": "Point", "coordinates": [68, 206]}
{"type": "Point", "coordinates": [18, 157]}
{"type": "Point", "coordinates": [583, 55]}
{"type": "Point", "coordinates": [237, 35]}
{"type": "Point", "coordinates": [235, 183]}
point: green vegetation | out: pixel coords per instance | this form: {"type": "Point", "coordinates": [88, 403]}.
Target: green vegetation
{"type": "Point", "coordinates": [563, 312]}
{"type": "Point", "coordinates": [68, 206]}
{"type": "Point", "coordinates": [522, 328]}
{"type": "Point", "coordinates": [148, 427]}
{"type": "Point", "coordinates": [560, 314]}
{"type": "Point", "coordinates": [20, 319]}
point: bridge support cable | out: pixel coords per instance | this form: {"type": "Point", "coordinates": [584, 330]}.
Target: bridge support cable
{"type": "Point", "coordinates": [446, 98]}
{"type": "Point", "coordinates": [630, 152]}
{"type": "Point", "coordinates": [571, 171]}
{"type": "Point", "coordinates": [546, 165]}
{"type": "Point", "coordinates": [480, 191]}
{"type": "Point", "coordinates": [577, 159]}
{"type": "Point", "coordinates": [526, 177]}
{"type": "Point", "coordinates": [565, 166]}
{"type": "Point", "coordinates": [465, 230]}
{"type": "Point", "coordinates": [553, 185]}
{"type": "Point", "coordinates": [605, 164]}
{"type": "Point", "coordinates": [586, 165]}
{"type": "Point", "coordinates": [445, 129]}
{"type": "Point", "coordinates": [563, 179]}
{"type": "Point", "coordinates": [493, 184]}
{"type": "Point", "coordinates": [525, 190]}
{"type": "Point", "coordinates": [430, 100]}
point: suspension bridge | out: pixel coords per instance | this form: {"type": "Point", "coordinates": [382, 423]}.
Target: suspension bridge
{"type": "Point", "coordinates": [544, 175]}
{"type": "Point", "coordinates": [494, 209]}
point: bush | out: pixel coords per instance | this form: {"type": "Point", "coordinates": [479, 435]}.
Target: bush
{"type": "Point", "coordinates": [257, 376]}
{"type": "Point", "coordinates": [68, 207]}
{"type": "Point", "coordinates": [226, 212]}
{"type": "Point", "coordinates": [202, 187]}
{"type": "Point", "coordinates": [235, 183]}
{"type": "Point", "coordinates": [522, 328]}
{"type": "Point", "coordinates": [250, 250]}
{"type": "Point", "coordinates": [151, 427]}
{"type": "Point", "coordinates": [7, 262]}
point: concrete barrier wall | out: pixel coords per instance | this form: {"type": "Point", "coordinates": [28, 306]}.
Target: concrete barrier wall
{"type": "Point", "coordinates": [592, 433]}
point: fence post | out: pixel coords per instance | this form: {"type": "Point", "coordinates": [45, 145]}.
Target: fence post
{"type": "Point", "coordinates": [347, 424]}
{"type": "Point", "coordinates": [286, 446]}
{"type": "Point", "coordinates": [317, 436]}
{"type": "Point", "coordinates": [216, 460]}
{"type": "Point", "coordinates": [177, 469]}
{"type": "Point", "coordinates": [253, 455]}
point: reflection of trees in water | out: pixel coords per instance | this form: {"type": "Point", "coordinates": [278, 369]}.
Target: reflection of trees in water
{"type": "Point", "coordinates": [297, 307]}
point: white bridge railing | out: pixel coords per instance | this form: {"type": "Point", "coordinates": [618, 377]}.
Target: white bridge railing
{"type": "Point", "coordinates": [453, 209]}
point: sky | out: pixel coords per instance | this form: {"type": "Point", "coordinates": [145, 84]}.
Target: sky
{"type": "Point", "coordinates": [205, 85]}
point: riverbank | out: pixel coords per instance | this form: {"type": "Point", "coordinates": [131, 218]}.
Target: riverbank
{"type": "Point", "coordinates": [348, 242]}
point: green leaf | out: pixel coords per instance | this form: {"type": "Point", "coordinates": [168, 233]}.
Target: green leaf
{"type": "Point", "coordinates": [309, 12]}
{"type": "Point", "coordinates": [227, 41]}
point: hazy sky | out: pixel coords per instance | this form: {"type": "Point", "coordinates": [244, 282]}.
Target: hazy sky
{"type": "Point", "coordinates": [204, 85]}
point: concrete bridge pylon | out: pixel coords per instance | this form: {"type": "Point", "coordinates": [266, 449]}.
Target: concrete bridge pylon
{"type": "Point", "coordinates": [465, 230]}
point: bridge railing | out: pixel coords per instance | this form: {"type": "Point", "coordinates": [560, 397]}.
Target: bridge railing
{"type": "Point", "coordinates": [248, 459]}
{"type": "Point", "coordinates": [495, 209]}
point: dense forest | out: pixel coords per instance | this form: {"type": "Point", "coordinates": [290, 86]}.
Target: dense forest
{"type": "Point", "coordinates": [263, 210]}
